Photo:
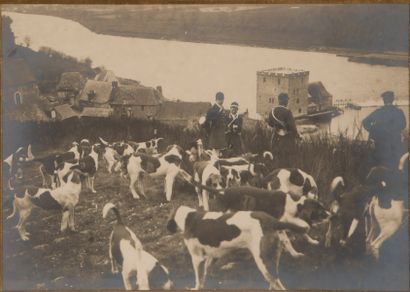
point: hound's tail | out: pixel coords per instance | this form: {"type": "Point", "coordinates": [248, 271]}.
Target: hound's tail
{"type": "Point", "coordinates": [111, 206]}
{"type": "Point", "coordinates": [278, 225]}
{"type": "Point", "coordinates": [337, 186]}
{"type": "Point", "coordinates": [14, 208]}
{"type": "Point", "coordinates": [30, 155]}
{"type": "Point", "coordinates": [403, 160]}
{"type": "Point", "coordinates": [105, 143]}
{"type": "Point", "coordinates": [268, 154]}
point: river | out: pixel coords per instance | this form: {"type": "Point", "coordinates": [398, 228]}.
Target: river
{"type": "Point", "coordinates": [196, 71]}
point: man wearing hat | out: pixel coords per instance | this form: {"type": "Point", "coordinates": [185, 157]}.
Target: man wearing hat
{"type": "Point", "coordinates": [385, 126]}
{"type": "Point", "coordinates": [284, 128]}
{"type": "Point", "coordinates": [234, 129]}
{"type": "Point", "coordinates": [216, 124]}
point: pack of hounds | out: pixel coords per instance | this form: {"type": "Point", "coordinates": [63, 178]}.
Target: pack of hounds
{"type": "Point", "coordinates": [261, 205]}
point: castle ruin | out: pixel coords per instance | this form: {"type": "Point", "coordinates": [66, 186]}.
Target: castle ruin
{"type": "Point", "coordinates": [271, 82]}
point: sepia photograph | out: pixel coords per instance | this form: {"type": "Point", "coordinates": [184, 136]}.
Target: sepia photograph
{"type": "Point", "coordinates": [205, 147]}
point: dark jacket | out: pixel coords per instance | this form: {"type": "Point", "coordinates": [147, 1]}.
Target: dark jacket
{"type": "Point", "coordinates": [281, 118]}
{"type": "Point", "coordinates": [233, 134]}
{"type": "Point", "coordinates": [386, 122]}
{"type": "Point", "coordinates": [284, 132]}
{"type": "Point", "coordinates": [385, 126]}
{"type": "Point", "coordinates": [216, 123]}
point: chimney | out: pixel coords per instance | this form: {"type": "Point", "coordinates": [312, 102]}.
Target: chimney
{"type": "Point", "coordinates": [114, 84]}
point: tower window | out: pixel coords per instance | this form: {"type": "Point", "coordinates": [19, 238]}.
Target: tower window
{"type": "Point", "coordinates": [264, 79]}
{"type": "Point", "coordinates": [300, 110]}
{"type": "Point", "coordinates": [278, 80]}
{"type": "Point", "coordinates": [297, 100]}
{"type": "Point", "coordinates": [17, 98]}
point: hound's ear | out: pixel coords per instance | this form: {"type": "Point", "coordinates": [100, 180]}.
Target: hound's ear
{"type": "Point", "coordinates": [299, 207]}
{"type": "Point", "coordinates": [172, 226]}
{"type": "Point", "coordinates": [307, 186]}
{"type": "Point", "coordinates": [65, 178]}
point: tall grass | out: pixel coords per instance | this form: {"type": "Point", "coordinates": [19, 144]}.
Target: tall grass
{"type": "Point", "coordinates": [324, 156]}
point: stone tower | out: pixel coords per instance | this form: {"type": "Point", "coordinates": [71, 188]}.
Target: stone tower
{"type": "Point", "coordinates": [271, 82]}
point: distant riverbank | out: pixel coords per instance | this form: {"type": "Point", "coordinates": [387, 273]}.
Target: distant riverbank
{"type": "Point", "coordinates": [194, 72]}
{"type": "Point", "coordinates": [249, 28]}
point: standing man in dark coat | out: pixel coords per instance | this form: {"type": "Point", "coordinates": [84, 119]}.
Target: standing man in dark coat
{"type": "Point", "coordinates": [284, 128]}
{"type": "Point", "coordinates": [216, 125]}
{"type": "Point", "coordinates": [385, 126]}
{"type": "Point", "coordinates": [234, 129]}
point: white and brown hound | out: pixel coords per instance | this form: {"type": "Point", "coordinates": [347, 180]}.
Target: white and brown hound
{"type": "Point", "coordinates": [255, 231]}
{"type": "Point", "coordinates": [111, 156]}
{"type": "Point", "coordinates": [206, 173]}
{"type": "Point", "coordinates": [63, 198]}
{"type": "Point", "coordinates": [243, 174]}
{"type": "Point", "coordinates": [88, 164]}
{"type": "Point", "coordinates": [293, 181]}
{"type": "Point", "coordinates": [126, 251]}
{"type": "Point", "coordinates": [378, 203]}
{"type": "Point", "coordinates": [138, 164]}
{"type": "Point", "coordinates": [148, 147]}
{"type": "Point", "coordinates": [123, 149]}
{"type": "Point", "coordinates": [54, 163]}
{"type": "Point", "coordinates": [282, 206]}
{"type": "Point", "coordinates": [197, 152]}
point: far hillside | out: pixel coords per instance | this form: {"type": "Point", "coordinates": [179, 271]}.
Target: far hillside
{"type": "Point", "coordinates": [375, 28]}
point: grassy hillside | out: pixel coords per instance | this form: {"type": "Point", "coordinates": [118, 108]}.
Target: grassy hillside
{"type": "Point", "coordinates": [353, 27]}
{"type": "Point", "coordinates": [54, 260]}
{"type": "Point", "coordinates": [47, 65]}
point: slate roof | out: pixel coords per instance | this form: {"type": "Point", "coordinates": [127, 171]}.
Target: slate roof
{"type": "Point", "coordinates": [106, 76]}
{"type": "Point", "coordinates": [102, 91]}
{"type": "Point", "coordinates": [65, 111]}
{"type": "Point", "coordinates": [135, 95]}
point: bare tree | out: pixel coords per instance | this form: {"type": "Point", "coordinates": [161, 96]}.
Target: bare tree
{"type": "Point", "coordinates": [88, 62]}
{"type": "Point", "coordinates": [27, 41]}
